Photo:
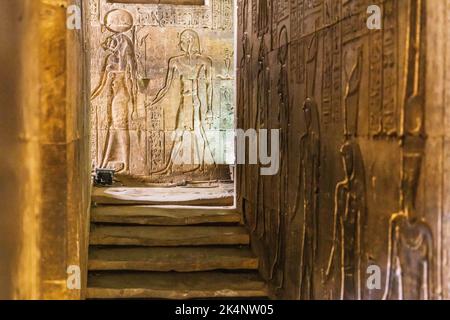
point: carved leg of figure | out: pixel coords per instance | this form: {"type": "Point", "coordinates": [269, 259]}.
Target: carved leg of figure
{"type": "Point", "coordinates": [206, 146]}
{"type": "Point", "coordinates": [175, 150]}
{"type": "Point", "coordinates": [106, 150]}
{"type": "Point", "coordinates": [108, 147]}
{"type": "Point", "coordinates": [197, 159]}
{"type": "Point", "coordinates": [123, 137]}
{"type": "Point", "coordinates": [350, 263]}
{"type": "Point", "coordinates": [307, 263]}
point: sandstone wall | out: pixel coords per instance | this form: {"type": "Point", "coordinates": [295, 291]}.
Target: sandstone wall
{"type": "Point", "coordinates": [133, 117]}
{"type": "Point", "coordinates": [364, 149]}
{"type": "Point", "coordinates": [45, 145]}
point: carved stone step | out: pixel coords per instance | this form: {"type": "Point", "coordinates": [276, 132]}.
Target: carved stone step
{"type": "Point", "coordinates": [173, 285]}
{"type": "Point", "coordinates": [168, 236]}
{"type": "Point", "coordinates": [222, 196]}
{"type": "Point", "coordinates": [168, 216]}
{"type": "Point", "coordinates": [180, 259]}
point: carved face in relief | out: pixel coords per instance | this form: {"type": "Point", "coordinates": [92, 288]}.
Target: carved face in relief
{"type": "Point", "coordinates": [189, 42]}
{"type": "Point", "coordinates": [111, 44]}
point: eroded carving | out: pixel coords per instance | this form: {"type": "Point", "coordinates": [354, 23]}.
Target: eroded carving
{"type": "Point", "coordinates": [284, 122]}
{"type": "Point", "coordinates": [188, 68]}
{"type": "Point", "coordinates": [147, 136]}
{"type": "Point", "coordinates": [349, 218]}
{"type": "Point", "coordinates": [118, 83]}
{"type": "Point", "coordinates": [351, 110]}
{"type": "Point", "coordinates": [263, 101]}
{"type": "Point", "coordinates": [410, 248]}
{"type": "Point", "coordinates": [306, 199]}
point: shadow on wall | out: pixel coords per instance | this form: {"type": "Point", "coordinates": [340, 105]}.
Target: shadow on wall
{"type": "Point", "coordinates": [12, 171]}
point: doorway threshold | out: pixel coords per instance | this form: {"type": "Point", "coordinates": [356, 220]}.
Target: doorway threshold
{"type": "Point", "coordinates": [222, 194]}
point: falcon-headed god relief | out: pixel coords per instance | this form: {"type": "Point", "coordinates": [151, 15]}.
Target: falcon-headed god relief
{"type": "Point", "coordinates": [190, 136]}
{"type": "Point", "coordinates": [118, 85]}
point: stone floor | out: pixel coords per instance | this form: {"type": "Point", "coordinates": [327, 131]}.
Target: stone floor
{"type": "Point", "coordinates": [214, 194]}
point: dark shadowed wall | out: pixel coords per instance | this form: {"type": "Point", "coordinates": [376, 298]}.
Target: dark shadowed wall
{"type": "Point", "coordinates": [363, 149]}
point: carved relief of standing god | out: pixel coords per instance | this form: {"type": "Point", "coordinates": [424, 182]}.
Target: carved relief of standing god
{"type": "Point", "coordinates": [119, 87]}
{"type": "Point", "coordinates": [190, 136]}
{"type": "Point", "coordinates": [349, 223]}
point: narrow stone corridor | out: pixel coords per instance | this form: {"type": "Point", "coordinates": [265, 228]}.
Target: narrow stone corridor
{"type": "Point", "coordinates": [255, 149]}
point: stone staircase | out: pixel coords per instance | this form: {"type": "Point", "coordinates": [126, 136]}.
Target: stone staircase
{"type": "Point", "coordinates": [163, 252]}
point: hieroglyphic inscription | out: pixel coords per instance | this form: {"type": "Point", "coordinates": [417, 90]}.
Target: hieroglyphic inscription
{"type": "Point", "coordinates": [390, 78]}
{"type": "Point", "coordinates": [222, 14]}
{"type": "Point", "coordinates": [192, 17]}
{"type": "Point", "coordinates": [336, 77]}
{"type": "Point", "coordinates": [383, 74]}
{"type": "Point", "coordinates": [375, 82]}
{"type": "Point", "coordinates": [296, 19]}
{"type": "Point", "coordinates": [327, 78]}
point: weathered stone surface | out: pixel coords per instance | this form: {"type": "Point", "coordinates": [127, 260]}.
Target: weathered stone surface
{"type": "Point", "coordinates": [221, 196]}
{"type": "Point", "coordinates": [46, 177]}
{"type": "Point", "coordinates": [168, 285]}
{"type": "Point", "coordinates": [162, 79]}
{"type": "Point", "coordinates": [180, 259]}
{"type": "Point", "coordinates": [168, 236]}
{"type": "Point", "coordinates": [363, 149]}
{"type": "Point", "coordinates": [164, 216]}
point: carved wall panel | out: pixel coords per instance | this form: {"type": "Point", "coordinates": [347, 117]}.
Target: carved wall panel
{"type": "Point", "coordinates": [162, 101]}
{"type": "Point", "coordinates": [353, 106]}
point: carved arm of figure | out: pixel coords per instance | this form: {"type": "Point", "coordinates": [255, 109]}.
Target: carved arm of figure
{"type": "Point", "coordinates": [301, 179]}
{"type": "Point", "coordinates": [103, 79]}
{"type": "Point", "coordinates": [316, 187]}
{"type": "Point", "coordinates": [392, 254]}
{"type": "Point", "coordinates": [428, 275]}
{"type": "Point", "coordinates": [168, 83]}
{"type": "Point", "coordinates": [338, 196]}
{"type": "Point", "coordinates": [354, 79]}
{"type": "Point", "coordinates": [132, 82]}
{"type": "Point", "coordinates": [209, 91]}
{"type": "Point", "coordinates": [110, 45]}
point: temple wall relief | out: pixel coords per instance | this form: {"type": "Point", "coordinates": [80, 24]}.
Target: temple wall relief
{"type": "Point", "coordinates": [361, 114]}
{"type": "Point", "coordinates": [162, 99]}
